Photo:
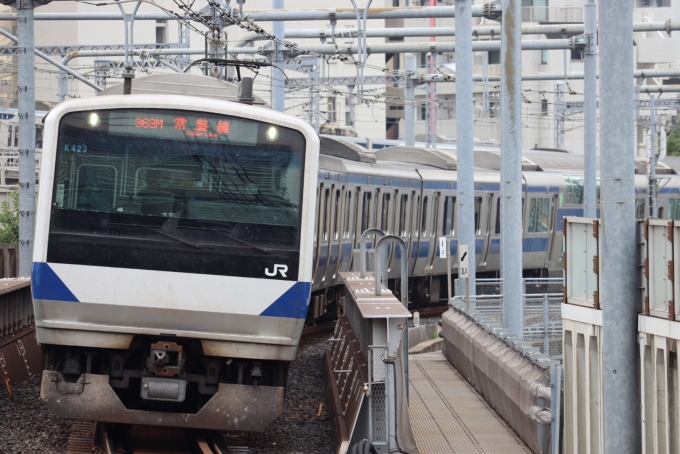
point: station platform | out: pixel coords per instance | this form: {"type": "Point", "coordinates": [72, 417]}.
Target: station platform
{"type": "Point", "coordinates": [448, 416]}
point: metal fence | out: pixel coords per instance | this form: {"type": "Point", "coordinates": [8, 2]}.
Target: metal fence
{"type": "Point", "coordinates": [542, 326]}
{"type": "Point", "coordinates": [532, 286]}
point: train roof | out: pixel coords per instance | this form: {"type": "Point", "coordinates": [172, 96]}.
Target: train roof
{"type": "Point", "coordinates": [418, 155]}
{"type": "Point", "coordinates": [340, 148]}
{"type": "Point", "coordinates": [185, 85]}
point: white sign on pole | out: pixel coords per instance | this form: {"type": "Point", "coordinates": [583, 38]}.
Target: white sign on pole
{"type": "Point", "coordinates": [463, 261]}
{"type": "Point", "coordinates": [442, 247]}
{"type": "Point", "coordinates": [416, 318]}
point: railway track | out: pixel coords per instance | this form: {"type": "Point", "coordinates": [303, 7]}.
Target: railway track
{"type": "Point", "coordinates": [89, 437]}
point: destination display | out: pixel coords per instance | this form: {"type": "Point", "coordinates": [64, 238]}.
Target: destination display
{"type": "Point", "coordinates": [178, 125]}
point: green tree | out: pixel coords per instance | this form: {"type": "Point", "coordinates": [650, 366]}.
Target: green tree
{"type": "Point", "coordinates": [9, 218]}
{"type": "Point", "coordinates": [673, 142]}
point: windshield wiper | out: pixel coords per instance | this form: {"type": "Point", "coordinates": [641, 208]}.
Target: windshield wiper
{"type": "Point", "coordinates": [219, 232]}
{"type": "Point", "coordinates": [197, 246]}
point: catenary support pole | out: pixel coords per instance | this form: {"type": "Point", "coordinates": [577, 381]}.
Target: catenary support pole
{"type": "Point", "coordinates": [590, 111]}
{"type": "Point", "coordinates": [511, 165]}
{"type": "Point", "coordinates": [618, 243]}
{"type": "Point", "coordinates": [651, 153]}
{"type": "Point", "coordinates": [26, 111]}
{"type": "Point", "coordinates": [409, 106]}
{"type": "Point", "coordinates": [278, 79]}
{"type": "Point", "coordinates": [465, 135]}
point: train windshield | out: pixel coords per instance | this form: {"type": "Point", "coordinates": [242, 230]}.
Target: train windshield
{"type": "Point", "coordinates": [172, 180]}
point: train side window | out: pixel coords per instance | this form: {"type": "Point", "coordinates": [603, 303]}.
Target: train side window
{"type": "Point", "coordinates": [435, 215]}
{"type": "Point", "coordinates": [539, 215]}
{"type": "Point", "coordinates": [415, 203]}
{"type": "Point", "coordinates": [336, 215]}
{"type": "Point", "coordinates": [385, 214]}
{"type": "Point", "coordinates": [478, 215]}
{"type": "Point", "coordinates": [402, 215]}
{"type": "Point", "coordinates": [577, 191]}
{"type": "Point", "coordinates": [639, 209]}
{"type": "Point", "coordinates": [348, 214]}
{"type": "Point", "coordinates": [325, 214]}
{"type": "Point", "coordinates": [497, 231]}
{"type": "Point", "coordinates": [673, 209]}
{"type": "Point", "coordinates": [423, 225]}
{"type": "Point", "coordinates": [568, 198]}
{"type": "Point", "coordinates": [365, 211]}
{"type": "Point", "coordinates": [449, 210]}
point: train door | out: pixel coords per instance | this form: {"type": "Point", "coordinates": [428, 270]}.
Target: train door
{"type": "Point", "coordinates": [323, 195]}
{"type": "Point", "coordinates": [424, 249]}
{"type": "Point", "coordinates": [538, 225]}
{"type": "Point", "coordinates": [324, 234]}
{"type": "Point", "coordinates": [554, 244]}
{"type": "Point", "coordinates": [445, 225]}
{"type": "Point", "coordinates": [433, 228]}
{"type": "Point", "coordinates": [348, 228]}
{"type": "Point", "coordinates": [414, 245]}
{"type": "Point", "coordinates": [333, 215]}
{"type": "Point", "coordinates": [493, 255]}
{"type": "Point", "coordinates": [400, 223]}
{"type": "Point", "coordinates": [483, 238]}
{"type": "Point", "coordinates": [366, 196]}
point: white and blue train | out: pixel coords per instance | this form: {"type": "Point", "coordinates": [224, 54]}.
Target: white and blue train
{"type": "Point", "coordinates": [172, 263]}
{"type": "Point", "coordinates": [183, 242]}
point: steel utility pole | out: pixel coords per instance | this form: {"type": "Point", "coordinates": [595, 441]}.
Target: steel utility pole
{"type": "Point", "coordinates": [278, 79]}
{"type": "Point", "coordinates": [651, 153]}
{"type": "Point", "coordinates": [619, 271]}
{"type": "Point", "coordinates": [590, 111]}
{"type": "Point", "coordinates": [511, 165]}
{"type": "Point", "coordinates": [465, 199]}
{"type": "Point", "coordinates": [409, 107]}
{"type": "Point", "coordinates": [26, 89]}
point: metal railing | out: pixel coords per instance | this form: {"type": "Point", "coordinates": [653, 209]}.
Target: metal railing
{"type": "Point", "coordinates": [542, 321]}
{"type": "Point", "coordinates": [16, 307]}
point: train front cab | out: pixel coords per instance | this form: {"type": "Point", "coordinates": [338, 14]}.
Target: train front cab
{"type": "Point", "coordinates": [153, 305]}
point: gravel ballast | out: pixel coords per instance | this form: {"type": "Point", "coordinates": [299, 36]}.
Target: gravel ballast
{"type": "Point", "coordinates": [300, 429]}
{"type": "Point", "coordinates": [27, 425]}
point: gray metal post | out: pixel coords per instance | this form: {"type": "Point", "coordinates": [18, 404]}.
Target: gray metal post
{"type": "Point", "coordinates": [555, 408]}
{"type": "Point", "coordinates": [380, 265]}
{"type": "Point", "coordinates": [590, 111]}
{"type": "Point", "coordinates": [652, 158]}
{"type": "Point", "coordinates": [619, 273]}
{"type": "Point", "coordinates": [465, 199]}
{"type": "Point", "coordinates": [26, 87]}
{"type": "Point", "coordinates": [511, 165]}
{"type": "Point", "coordinates": [278, 79]}
{"type": "Point", "coordinates": [352, 114]}
{"type": "Point", "coordinates": [559, 116]}
{"type": "Point", "coordinates": [546, 325]}
{"type": "Point", "coordinates": [432, 104]}
{"type": "Point", "coordinates": [62, 85]}
{"type": "Point", "coordinates": [409, 106]}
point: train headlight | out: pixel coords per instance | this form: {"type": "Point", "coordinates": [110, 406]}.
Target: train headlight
{"type": "Point", "coordinates": [272, 133]}
{"type": "Point", "coordinates": [94, 119]}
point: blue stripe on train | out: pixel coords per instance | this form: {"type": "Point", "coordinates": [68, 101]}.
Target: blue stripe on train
{"type": "Point", "coordinates": [46, 285]}
{"type": "Point", "coordinates": [294, 303]}
{"type": "Point", "coordinates": [528, 245]}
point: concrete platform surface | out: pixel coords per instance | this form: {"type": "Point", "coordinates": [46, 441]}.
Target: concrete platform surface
{"type": "Point", "coordinates": [449, 417]}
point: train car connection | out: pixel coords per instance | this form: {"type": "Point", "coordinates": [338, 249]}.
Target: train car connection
{"type": "Point", "coordinates": [171, 270]}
